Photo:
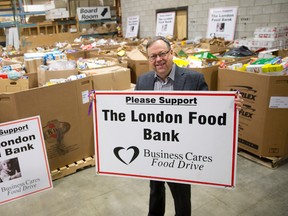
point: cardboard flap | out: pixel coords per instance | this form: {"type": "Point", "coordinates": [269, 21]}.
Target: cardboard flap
{"type": "Point", "coordinates": [135, 54]}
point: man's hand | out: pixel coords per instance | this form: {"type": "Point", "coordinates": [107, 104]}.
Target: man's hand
{"type": "Point", "coordinates": [239, 101]}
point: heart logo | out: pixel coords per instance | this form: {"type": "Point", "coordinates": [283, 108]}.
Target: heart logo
{"type": "Point", "coordinates": [134, 156]}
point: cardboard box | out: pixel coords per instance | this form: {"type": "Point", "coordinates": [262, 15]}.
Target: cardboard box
{"type": "Point", "coordinates": [33, 41]}
{"type": "Point", "coordinates": [282, 52]}
{"type": "Point", "coordinates": [63, 109]}
{"type": "Point", "coordinates": [210, 75]}
{"type": "Point", "coordinates": [97, 63]}
{"type": "Point", "coordinates": [39, 7]}
{"type": "Point", "coordinates": [112, 78]}
{"type": "Point", "coordinates": [263, 128]}
{"type": "Point", "coordinates": [121, 61]}
{"type": "Point", "coordinates": [76, 55]}
{"type": "Point", "coordinates": [138, 63]}
{"type": "Point", "coordinates": [7, 85]}
{"type": "Point", "coordinates": [32, 79]}
{"type": "Point", "coordinates": [32, 65]}
{"type": "Point", "coordinates": [60, 4]}
{"type": "Point", "coordinates": [45, 76]}
{"type": "Point", "coordinates": [16, 60]}
{"type": "Point", "coordinates": [213, 48]}
{"type": "Point", "coordinates": [132, 87]}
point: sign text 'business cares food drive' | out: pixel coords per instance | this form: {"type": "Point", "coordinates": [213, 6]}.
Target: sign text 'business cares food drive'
{"type": "Point", "coordinates": [188, 137]}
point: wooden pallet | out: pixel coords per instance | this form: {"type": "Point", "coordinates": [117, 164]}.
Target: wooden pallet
{"type": "Point", "coordinates": [270, 162]}
{"type": "Point", "coordinates": [72, 168]}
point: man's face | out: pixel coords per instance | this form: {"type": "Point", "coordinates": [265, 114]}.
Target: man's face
{"type": "Point", "coordinates": [160, 58]}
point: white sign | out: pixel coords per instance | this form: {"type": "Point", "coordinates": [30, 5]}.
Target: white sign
{"type": "Point", "coordinates": [278, 102]}
{"type": "Point", "coordinates": [132, 27]}
{"type": "Point", "coordinates": [188, 137]}
{"type": "Point", "coordinates": [24, 168]}
{"type": "Point", "coordinates": [222, 22]}
{"type": "Point", "coordinates": [93, 13]}
{"type": "Point", "coordinates": [165, 24]}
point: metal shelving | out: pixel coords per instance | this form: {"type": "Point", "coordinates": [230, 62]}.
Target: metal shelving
{"type": "Point", "coordinates": [8, 8]}
{"type": "Point", "coordinates": [15, 9]}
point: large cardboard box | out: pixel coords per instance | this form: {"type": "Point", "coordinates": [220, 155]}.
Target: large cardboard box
{"type": "Point", "coordinates": [210, 75]}
{"type": "Point", "coordinates": [138, 63]}
{"type": "Point", "coordinates": [263, 128]}
{"type": "Point", "coordinates": [45, 76]}
{"type": "Point", "coordinates": [7, 85]}
{"type": "Point", "coordinates": [111, 78]}
{"type": "Point", "coordinates": [63, 109]}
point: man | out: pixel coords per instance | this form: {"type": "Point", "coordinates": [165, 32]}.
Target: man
{"type": "Point", "coordinates": [166, 76]}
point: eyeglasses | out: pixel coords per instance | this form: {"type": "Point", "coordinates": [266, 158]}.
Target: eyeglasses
{"type": "Point", "coordinates": [161, 55]}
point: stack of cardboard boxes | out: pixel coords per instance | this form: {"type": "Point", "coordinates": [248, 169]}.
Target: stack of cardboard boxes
{"type": "Point", "coordinates": [63, 108]}
{"type": "Point", "coordinates": [273, 37]}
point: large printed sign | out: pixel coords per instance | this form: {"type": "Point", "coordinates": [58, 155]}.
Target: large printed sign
{"type": "Point", "coordinates": [24, 168]}
{"type": "Point", "coordinates": [165, 24]}
{"type": "Point", "coordinates": [222, 22]}
{"type": "Point", "coordinates": [93, 13]}
{"type": "Point", "coordinates": [188, 137]}
{"type": "Point", "coordinates": [132, 27]}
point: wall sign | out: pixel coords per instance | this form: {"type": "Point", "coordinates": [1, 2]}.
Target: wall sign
{"type": "Point", "coordinates": [222, 22]}
{"type": "Point", "coordinates": [165, 24]}
{"type": "Point", "coordinates": [188, 137]}
{"type": "Point", "coordinates": [93, 13]}
{"type": "Point", "coordinates": [132, 27]}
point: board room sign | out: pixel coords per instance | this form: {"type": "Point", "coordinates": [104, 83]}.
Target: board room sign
{"type": "Point", "coordinates": [93, 13]}
{"type": "Point", "coordinates": [188, 137]}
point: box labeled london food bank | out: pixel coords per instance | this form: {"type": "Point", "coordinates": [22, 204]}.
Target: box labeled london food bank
{"type": "Point", "coordinates": [263, 128]}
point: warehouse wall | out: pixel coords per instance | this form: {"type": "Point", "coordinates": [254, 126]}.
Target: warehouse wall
{"type": "Point", "coordinates": [251, 14]}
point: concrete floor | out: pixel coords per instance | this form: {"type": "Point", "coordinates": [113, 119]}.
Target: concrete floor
{"type": "Point", "coordinates": [259, 191]}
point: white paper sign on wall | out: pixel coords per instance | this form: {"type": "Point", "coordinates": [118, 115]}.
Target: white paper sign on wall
{"type": "Point", "coordinates": [132, 27]}
{"type": "Point", "coordinates": [165, 24]}
{"type": "Point", "coordinates": [222, 22]}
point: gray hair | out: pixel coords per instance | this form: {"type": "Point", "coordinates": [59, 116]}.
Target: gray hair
{"type": "Point", "coordinates": [154, 39]}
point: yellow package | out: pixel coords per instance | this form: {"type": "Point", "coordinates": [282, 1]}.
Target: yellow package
{"type": "Point", "coordinates": [181, 62]}
{"type": "Point", "coordinates": [121, 53]}
{"type": "Point", "coordinates": [272, 68]}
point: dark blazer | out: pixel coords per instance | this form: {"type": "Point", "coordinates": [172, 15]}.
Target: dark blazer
{"type": "Point", "coordinates": [185, 80]}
